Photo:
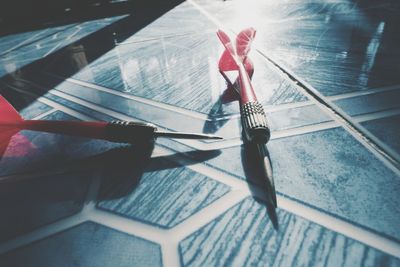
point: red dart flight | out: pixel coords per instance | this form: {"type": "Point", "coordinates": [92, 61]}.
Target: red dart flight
{"type": "Point", "coordinates": [235, 58]}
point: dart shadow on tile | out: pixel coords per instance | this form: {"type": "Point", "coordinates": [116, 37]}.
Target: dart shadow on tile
{"type": "Point", "coordinates": [121, 167]}
{"type": "Point", "coordinates": [214, 121]}
{"type": "Point", "coordinates": [256, 173]}
{"type": "Point", "coordinates": [32, 200]}
{"type": "Point", "coordinates": [125, 167]}
{"type": "Point", "coordinates": [213, 124]}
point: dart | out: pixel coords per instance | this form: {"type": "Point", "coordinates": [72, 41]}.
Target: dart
{"type": "Point", "coordinates": [234, 58]}
{"type": "Point", "coordinates": [116, 131]}
{"type": "Point", "coordinates": [254, 121]}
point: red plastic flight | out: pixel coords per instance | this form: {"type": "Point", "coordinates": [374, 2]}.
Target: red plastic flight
{"type": "Point", "coordinates": [117, 131]}
{"type": "Point", "coordinates": [234, 58]}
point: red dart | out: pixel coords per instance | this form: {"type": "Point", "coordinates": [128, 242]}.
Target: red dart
{"type": "Point", "coordinates": [117, 131]}
{"type": "Point", "coordinates": [252, 112]}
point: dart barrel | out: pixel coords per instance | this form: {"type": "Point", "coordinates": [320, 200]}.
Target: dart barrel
{"type": "Point", "coordinates": [254, 122]}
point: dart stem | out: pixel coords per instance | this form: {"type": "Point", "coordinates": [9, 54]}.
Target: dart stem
{"type": "Point", "coordinates": [246, 89]}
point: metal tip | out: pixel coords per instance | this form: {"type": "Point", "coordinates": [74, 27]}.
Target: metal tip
{"type": "Point", "coordinates": [180, 135]}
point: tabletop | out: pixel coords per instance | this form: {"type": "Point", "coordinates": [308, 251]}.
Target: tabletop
{"type": "Point", "coordinates": [327, 74]}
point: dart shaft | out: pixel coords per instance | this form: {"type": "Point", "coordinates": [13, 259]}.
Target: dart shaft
{"type": "Point", "coordinates": [186, 135]}
{"type": "Point", "coordinates": [246, 88]}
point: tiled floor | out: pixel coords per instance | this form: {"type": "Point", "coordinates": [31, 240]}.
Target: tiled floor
{"type": "Point", "coordinates": [327, 75]}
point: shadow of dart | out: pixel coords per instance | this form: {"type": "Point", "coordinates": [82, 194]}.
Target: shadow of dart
{"type": "Point", "coordinates": [122, 167]}
{"type": "Point", "coordinates": [39, 195]}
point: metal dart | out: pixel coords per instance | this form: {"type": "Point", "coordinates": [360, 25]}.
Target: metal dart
{"type": "Point", "coordinates": [116, 131]}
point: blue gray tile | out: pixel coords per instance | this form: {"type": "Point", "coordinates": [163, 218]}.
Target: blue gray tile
{"type": "Point", "coordinates": [88, 244]}
{"type": "Point", "coordinates": [244, 236]}
{"type": "Point", "coordinates": [387, 130]}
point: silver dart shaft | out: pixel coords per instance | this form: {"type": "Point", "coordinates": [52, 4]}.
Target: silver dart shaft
{"type": "Point", "coordinates": [179, 135]}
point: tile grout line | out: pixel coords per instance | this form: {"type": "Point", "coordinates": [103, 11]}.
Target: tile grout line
{"type": "Point", "coordinates": [91, 196]}
{"type": "Point", "coordinates": [170, 253]}
{"type": "Point", "coordinates": [206, 215]}
{"type": "Point", "coordinates": [373, 116]}
{"type": "Point", "coordinates": [127, 225]}
{"type": "Point", "coordinates": [376, 90]}
{"type": "Point", "coordinates": [44, 114]}
{"type": "Point", "coordinates": [376, 115]}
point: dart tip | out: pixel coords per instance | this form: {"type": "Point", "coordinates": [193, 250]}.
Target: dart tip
{"type": "Point", "coordinates": [213, 137]}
